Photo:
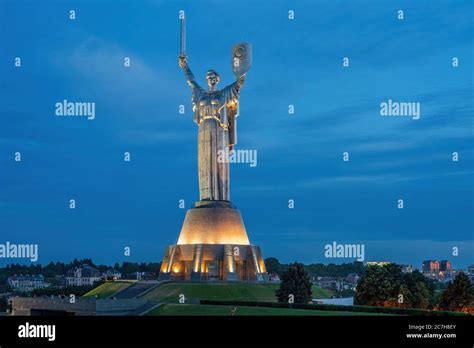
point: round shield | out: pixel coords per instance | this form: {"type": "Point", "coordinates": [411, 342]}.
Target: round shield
{"type": "Point", "coordinates": [241, 58]}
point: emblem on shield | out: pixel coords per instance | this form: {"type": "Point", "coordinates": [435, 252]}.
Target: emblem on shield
{"type": "Point", "coordinates": [241, 58]}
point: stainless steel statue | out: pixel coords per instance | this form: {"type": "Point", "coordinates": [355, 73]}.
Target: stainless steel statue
{"type": "Point", "coordinates": [213, 243]}
{"type": "Point", "coordinates": [215, 112]}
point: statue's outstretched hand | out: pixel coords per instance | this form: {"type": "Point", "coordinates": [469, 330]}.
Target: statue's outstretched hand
{"type": "Point", "coordinates": [183, 61]}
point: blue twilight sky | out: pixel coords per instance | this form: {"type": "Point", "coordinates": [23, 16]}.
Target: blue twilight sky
{"type": "Point", "coordinates": [296, 62]}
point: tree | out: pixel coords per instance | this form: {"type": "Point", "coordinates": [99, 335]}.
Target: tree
{"type": "Point", "coordinates": [380, 286]}
{"type": "Point", "coordinates": [422, 296]}
{"type": "Point", "coordinates": [387, 286]}
{"type": "Point", "coordinates": [272, 265]}
{"type": "Point", "coordinates": [295, 282]}
{"type": "Point", "coordinates": [404, 299]}
{"type": "Point", "coordinates": [421, 290]}
{"type": "Point", "coordinates": [317, 269]}
{"type": "Point", "coordinates": [459, 295]}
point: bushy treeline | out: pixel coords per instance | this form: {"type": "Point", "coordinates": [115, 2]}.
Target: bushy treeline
{"type": "Point", "coordinates": [54, 269]}
{"type": "Point", "coordinates": [388, 286]}
{"type": "Point", "coordinates": [317, 269]}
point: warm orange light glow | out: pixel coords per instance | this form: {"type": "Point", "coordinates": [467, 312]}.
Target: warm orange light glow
{"type": "Point", "coordinates": [262, 266]}
{"type": "Point", "coordinates": [164, 267]}
{"type": "Point", "coordinates": [232, 104]}
{"type": "Point", "coordinates": [175, 269]}
{"type": "Point", "coordinates": [213, 226]}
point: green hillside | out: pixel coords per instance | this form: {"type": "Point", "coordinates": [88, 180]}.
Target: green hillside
{"type": "Point", "coordinates": [185, 309]}
{"type": "Point", "coordinates": [107, 289]}
{"type": "Point", "coordinates": [222, 291]}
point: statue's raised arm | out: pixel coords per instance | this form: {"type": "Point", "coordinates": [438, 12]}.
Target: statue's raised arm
{"type": "Point", "coordinates": [188, 74]}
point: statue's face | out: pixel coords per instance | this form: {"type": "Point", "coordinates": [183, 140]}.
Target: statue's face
{"type": "Point", "coordinates": [212, 78]}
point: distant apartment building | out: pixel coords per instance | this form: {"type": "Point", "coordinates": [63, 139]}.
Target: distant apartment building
{"type": "Point", "coordinates": [407, 268]}
{"type": "Point", "coordinates": [81, 276]}
{"type": "Point", "coordinates": [27, 283]}
{"type": "Point", "coordinates": [438, 270]}
{"type": "Point", "coordinates": [430, 266]}
{"type": "Point", "coordinates": [445, 266]}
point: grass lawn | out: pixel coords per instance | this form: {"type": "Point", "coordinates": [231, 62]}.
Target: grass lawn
{"type": "Point", "coordinates": [222, 291]}
{"type": "Point", "coordinates": [107, 289]}
{"type": "Point", "coordinates": [186, 309]}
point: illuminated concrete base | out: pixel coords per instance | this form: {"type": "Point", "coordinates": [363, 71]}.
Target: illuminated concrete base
{"type": "Point", "coordinates": [213, 245]}
{"type": "Point", "coordinates": [213, 222]}
{"type": "Point", "coordinates": [208, 262]}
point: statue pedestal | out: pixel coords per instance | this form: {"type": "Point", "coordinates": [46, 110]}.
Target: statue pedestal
{"type": "Point", "coordinates": [213, 245]}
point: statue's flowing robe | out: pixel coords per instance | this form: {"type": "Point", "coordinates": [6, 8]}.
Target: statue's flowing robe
{"type": "Point", "coordinates": [215, 113]}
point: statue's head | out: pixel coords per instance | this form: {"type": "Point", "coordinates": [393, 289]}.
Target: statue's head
{"type": "Point", "coordinates": [212, 78]}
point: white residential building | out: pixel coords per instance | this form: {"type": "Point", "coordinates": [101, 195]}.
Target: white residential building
{"type": "Point", "coordinates": [81, 276]}
{"type": "Point", "coordinates": [27, 283]}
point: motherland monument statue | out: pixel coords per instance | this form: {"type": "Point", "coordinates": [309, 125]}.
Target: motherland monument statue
{"type": "Point", "coordinates": [213, 243]}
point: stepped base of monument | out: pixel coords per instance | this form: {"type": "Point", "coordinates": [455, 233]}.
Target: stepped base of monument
{"type": "Point", "coordinates": [213, 262]}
